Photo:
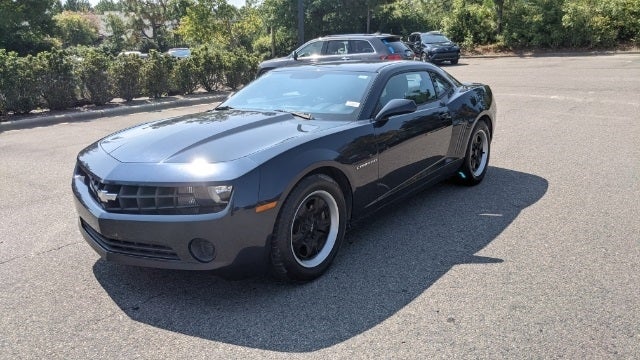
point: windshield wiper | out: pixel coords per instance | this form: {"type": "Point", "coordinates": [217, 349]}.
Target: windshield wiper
{"type": "Point", "coordinates": [299, 114]}
{"type": "Point", "coordinates": [223, 108]}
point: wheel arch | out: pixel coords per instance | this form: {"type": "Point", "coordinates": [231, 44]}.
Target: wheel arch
{"type": "Point", "coordinates": [327, 169]}
{"type": "Point", "coordinates": [285, 260]}
{"type": "Point", "coordinates": [487, 119]}
{"type": "Point", "coordinates": [339, 177]}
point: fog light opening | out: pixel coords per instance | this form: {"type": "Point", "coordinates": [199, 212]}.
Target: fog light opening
{"type": "Point", "coordinates": [202, 250]}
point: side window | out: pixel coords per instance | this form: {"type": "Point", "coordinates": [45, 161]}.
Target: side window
{"type": "Point", "coordinates": [313, 49]}
{"type": "Point", "coordinates": [360, 47]}
{"type": "Point", "coordinates": [397, 88]}
{"type": "Point", "coordinates": [421, 89]}
{"type": "Point", "coordinates": [337, 47]}
{"type": "Point", "coordinates": [416, 86]}
{"type": "Point", "coordinates": [441, 85]}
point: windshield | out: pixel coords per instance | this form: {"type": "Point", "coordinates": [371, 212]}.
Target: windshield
{"type": "Point", "coordinates": [324, 95]}
{"type": "Point", "coordinates": [430, 39]}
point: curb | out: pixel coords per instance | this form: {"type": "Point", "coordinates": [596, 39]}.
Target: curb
{"type": "Point", "coordinates": [45, 120]}
{"type": "Point", "coordinates": [551, 54]}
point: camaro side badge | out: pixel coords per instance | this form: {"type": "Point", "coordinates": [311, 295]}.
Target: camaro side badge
{"type": "Point", "coordinates": [106, 196]}
{"type": "Point", "coordinates": [367, 163]}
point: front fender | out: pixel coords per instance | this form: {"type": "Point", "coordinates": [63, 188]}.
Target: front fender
{"type": "Point", "coordinates": [280, 175]}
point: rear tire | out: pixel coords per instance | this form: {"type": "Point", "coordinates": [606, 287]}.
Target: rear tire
{"type": "Point", "coordinates": [309, 230]}
{"type": "Point", "coordinates": [454, 62]}
{"type": "Point", "coordinates": [476, 160]}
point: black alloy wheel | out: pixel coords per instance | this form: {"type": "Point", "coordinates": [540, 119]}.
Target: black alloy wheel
{"type": "Point", "coordinates": [309, 229]}
{"type": "Point", "coordinates": [476, 160]}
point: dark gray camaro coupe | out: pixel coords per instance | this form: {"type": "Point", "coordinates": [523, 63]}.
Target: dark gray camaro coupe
{"type": "Point", "coordinates": [271, 177]}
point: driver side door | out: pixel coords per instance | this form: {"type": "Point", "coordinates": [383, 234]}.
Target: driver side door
{"type": "Point", "coordinates": [411, 146]}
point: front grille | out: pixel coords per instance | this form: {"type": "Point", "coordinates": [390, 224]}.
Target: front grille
{"type": "Point", "coordinates": [129, 247]}
{"type": "Point", "coordinates": [149, 200]}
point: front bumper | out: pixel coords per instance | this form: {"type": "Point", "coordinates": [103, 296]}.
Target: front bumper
{"type": "Point", "coordinates": [239, 236]}
{"type": "Point", "coordinates": [443, 56]}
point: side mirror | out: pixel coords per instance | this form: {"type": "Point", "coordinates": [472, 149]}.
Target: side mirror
{"type": "Point", "coordinates": [396, 107]}
{"type": "Point", "coordinates": [294, 55]}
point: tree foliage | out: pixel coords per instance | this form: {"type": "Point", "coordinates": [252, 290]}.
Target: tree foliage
{"type": "Point", "coordinates": [150, 19]}
{"type": "Point", "coordinates": [26, 25]}
{"type": "Point", "coordinates": [117, 35]}
{"type": "Point", "coordinates": [125, 74]}
{"type": "Point", "coordinates": [76, 28]}
{"type": "Point", "coordinates": [56, 79]}
{"type": "Point", "coordinates": [107, 5]}
{"type": "Point", "coordinates": [77, 5]}
{"type": "Point", "coordinates": [94, 77]}
{"type": "Point", "coordinates": [184, 79]}
{"type": "Point", "coordinates": [209, 66]}
{"type": "Point", "coordinates": [17, 84]}
{"type": "Point", "coordinates": [155, 73]}
{"type": "Point", "coordinates": [208, 22]}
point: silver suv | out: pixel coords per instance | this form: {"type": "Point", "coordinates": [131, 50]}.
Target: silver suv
{"type": "Point", "coordinates": [349, 47]}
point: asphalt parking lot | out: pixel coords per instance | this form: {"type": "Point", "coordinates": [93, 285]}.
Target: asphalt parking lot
{"type": "Point", "coordinates": [539, 261]}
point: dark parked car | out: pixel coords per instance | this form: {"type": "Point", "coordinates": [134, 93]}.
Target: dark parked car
{"type": "Point", "coordinates": [272, 176]}
{"type": "Point", "coordinates": [434, 47]}
{"type": "Point", "coordinates": [350, 47]}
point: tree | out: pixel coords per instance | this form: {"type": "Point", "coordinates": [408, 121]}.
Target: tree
{"type": "Point", "coordinates": [470, 22]}
{"type": "Point", "coordinates": [107, 5]}
{"type": "Point", "coordinates": [404, 17]}
{"type": "Point", "coordinates": [77, 5]}
{"type": "Point", "coordinates": [117, 33]}
{"type": "Point", "coordinates": [279, 17]}
{"type": "Point", "coordinates": [150, 19]}
{"type": "Point", "coordinates": [76, 28]}
{"type": "Point", "coordinates": [535, 23]}
{"type": "Point", "coordinates": [324, 17]}
{"type": "Point", "coordinates": [26, 24]}
{"type": "Point", "coordinates": [247, 28]}
{"type": "Point", "coordinates": [208, 22]}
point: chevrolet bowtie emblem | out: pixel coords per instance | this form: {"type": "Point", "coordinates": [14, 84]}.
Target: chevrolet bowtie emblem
{"type": "Point", "coordinates": [106, 196]}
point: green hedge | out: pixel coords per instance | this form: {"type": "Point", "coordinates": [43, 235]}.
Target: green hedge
{"type": "Point", "coordinates": [18, 85]}
{"type": "Point", "coordinates": [62, 79]}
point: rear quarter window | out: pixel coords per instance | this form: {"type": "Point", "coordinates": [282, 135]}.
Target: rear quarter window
{"type": "Point", "coordinates": [395, 46]}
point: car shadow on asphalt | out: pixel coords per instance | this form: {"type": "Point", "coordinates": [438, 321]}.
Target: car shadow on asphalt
{"type": "Point", "coordinates": [386, 262]}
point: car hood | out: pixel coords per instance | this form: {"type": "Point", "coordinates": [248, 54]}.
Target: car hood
{"type": "Point", "coordinates": [215, 136]}
{"type": "Point", "coordinates": [276, 62]}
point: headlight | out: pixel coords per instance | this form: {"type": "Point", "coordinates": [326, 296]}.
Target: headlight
{"type": "Point", "coordinates": [220, 193]}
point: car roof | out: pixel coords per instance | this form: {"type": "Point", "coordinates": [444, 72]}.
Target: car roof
{"type": "Point", "coordinates": [428, 33]}
{"type": "Point", "coordinates": [351, 36]}
{"type": "Point", "coordinates": [374, 66]}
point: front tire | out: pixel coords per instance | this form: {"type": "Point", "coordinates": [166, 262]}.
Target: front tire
{"type": "Point", "coordinates": [309, 230]}
{"type": "Point", "coordinates": [476, 160]}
